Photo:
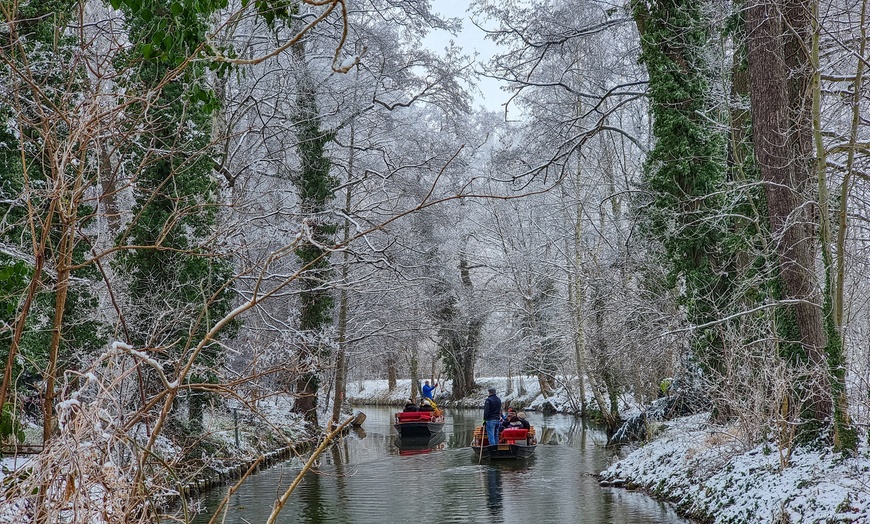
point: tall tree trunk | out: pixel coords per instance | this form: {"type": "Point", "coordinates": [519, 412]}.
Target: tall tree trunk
{"type": "Point", "coordinates": [460, 334]}
{"type": "Point", "coordinates": [64, 260]}
{"type": "Point", "coordinates": [778, 81]}
{"type": "Point", "coordinates": [845, 436]}
{"type": "Point", "coordinates": [341, 357]}
{"type": "Point", "coordinates": [316, 189]}
{"type": "Point", "coordinates": [857, 94]}
{"type": "Point", "coordinates": [392, 372]}
{"type": "Point", "coordinates": [415, 374]}
{"type": "Point", "coordinates": [576, 288]}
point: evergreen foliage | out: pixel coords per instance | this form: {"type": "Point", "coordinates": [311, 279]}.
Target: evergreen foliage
{"type": "Point", "coordinates": [685, 174]}
{"type": "Point", "coordinates": [177, 281]}
{"type": "Point", "coordinates": [706, 209]}
{"type": "Point", "coordinates": [38, 201]}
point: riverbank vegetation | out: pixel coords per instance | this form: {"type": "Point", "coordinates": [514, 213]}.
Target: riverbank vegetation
{"type": "Point", "coordinates": [208, 205]}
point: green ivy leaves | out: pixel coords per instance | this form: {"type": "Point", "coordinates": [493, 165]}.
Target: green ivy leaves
{"type": "Point", "coordinates": [9, 424]}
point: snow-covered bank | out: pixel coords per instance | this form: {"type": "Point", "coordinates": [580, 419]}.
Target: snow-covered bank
{"type": "Point", "coordinates": [709, 476]}
{"type": "Point", "coordinates": [520, 392]}
{"type": "Point", "coordinates": [102, 465]}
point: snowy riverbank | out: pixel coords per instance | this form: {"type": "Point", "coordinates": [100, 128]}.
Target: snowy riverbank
{"type": "Point", "coordinates": [519, 392]}
{"type": "Point", "coordinates": [707, 473]}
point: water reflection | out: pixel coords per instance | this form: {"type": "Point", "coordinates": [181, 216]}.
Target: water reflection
{"type": "Point", "coordinates": [462, 423]}
{"type": "Point", "coordinates": [494, 492]}
{"type": "Point", "coordinates": [372, 476]}
{"type": "Point", "coordinates": [420, 445]}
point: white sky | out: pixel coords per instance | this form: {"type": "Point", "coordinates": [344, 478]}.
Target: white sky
{"type": "Point", "coordinates": [471, 39]}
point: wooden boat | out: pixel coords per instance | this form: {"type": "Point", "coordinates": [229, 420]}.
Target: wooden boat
{"type": "Point", "coordinates": [513, 443]}
{"type": "Point", "coordinates": [419, 423]}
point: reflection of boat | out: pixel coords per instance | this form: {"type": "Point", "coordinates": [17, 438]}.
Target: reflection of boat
{"type": "Point", "coordinates": [513, 443]}
{"type": "Point", "coordinates": [420, 445]}
{"type": "Point", "coordinates": [419, 423]}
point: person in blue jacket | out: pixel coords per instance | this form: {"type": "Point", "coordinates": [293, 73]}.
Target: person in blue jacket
{"type": "Point", "coordinates": [429, 391]}
{"type": "Point", "coordinates": [492, 416]}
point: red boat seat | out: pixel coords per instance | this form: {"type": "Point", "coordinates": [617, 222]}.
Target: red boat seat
{"type": "Point", "coordinates": [414, 416]}
{"type": "Point", "coordinates": [515, 434]}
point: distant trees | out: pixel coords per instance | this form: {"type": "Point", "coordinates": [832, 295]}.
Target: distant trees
{"type": "Point", "coordinates": [573, 70]}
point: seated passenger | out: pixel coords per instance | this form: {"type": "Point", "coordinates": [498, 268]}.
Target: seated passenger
{"type": "Point", "coordinates": [410, 405]}
{"type": "Point", "coordinates": [522, 416]}
{"type": "Point", "coordinates": [511, 420]}
{"type": "Point", "coordinates": [516, 421]}
{"type": "Point", "coordinates": [426, 406]}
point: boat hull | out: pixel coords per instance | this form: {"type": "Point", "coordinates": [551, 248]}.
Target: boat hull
{"type": "Point", "coordinates": [514, 443]}
{"type": "Point", "coordinates": [505, 451]}
{"type": "Point", "coordinates": [418, 423]}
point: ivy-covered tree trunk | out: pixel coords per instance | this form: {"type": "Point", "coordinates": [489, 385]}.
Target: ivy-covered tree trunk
{"type": "Point", "coordinates": [316, 189]}
{"type": "Point", "coordinates": [686, 170]}
{"type": "Point", "coordinates": [844, 435]}
{"type": "Point", "coordinates": [175, 280]}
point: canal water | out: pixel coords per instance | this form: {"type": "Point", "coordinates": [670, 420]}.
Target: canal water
{"type": "Point", "coordinates": [374, 477]}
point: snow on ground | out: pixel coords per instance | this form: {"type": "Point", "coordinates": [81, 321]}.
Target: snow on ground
{"type": "Point", "coordinates": [708, 475]}
{"type": "Point", "coordinates": [523, 392]}
{"type": "Point", "coordinates": [10, 464]}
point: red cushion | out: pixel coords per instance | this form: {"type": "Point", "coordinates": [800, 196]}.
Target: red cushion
{"type": "Point", "coordinates": [412, 416]}
{"type": "Point", "coordinates": [515, 434]}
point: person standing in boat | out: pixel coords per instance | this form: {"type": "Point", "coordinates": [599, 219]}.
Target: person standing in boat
{"type": "Point", "coordinates": [429, 391]}
{"type": "Point", "coordinates": [492, 416]}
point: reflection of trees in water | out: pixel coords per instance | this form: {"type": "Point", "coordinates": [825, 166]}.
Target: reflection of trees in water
{"type": "Point", "coordinates": [341, 476]}
{"type": "Point", "coordinates": [317, 493]}
{"type": "Point", "coordinates": [313, 504]}
{"type": "Point", "coordinates": [464, 421]}
{"type": "Point", "coordinates": [575, 433]}
{"type": "Point", "coordinates": [460, 439]}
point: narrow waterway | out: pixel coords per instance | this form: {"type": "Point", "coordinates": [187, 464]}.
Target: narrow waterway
{"type": "Point", "coordinates": [374, 477]}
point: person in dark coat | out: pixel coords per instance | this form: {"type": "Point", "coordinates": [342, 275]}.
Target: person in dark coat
{"type": "Point", "coordinates": [522, 417]}
{"type": "Point", "coordinates": [410, 405]}
{"type": "Point", "coordinates": [516, 420]}
{"type": "Point", "coordinates": [492, 416]}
